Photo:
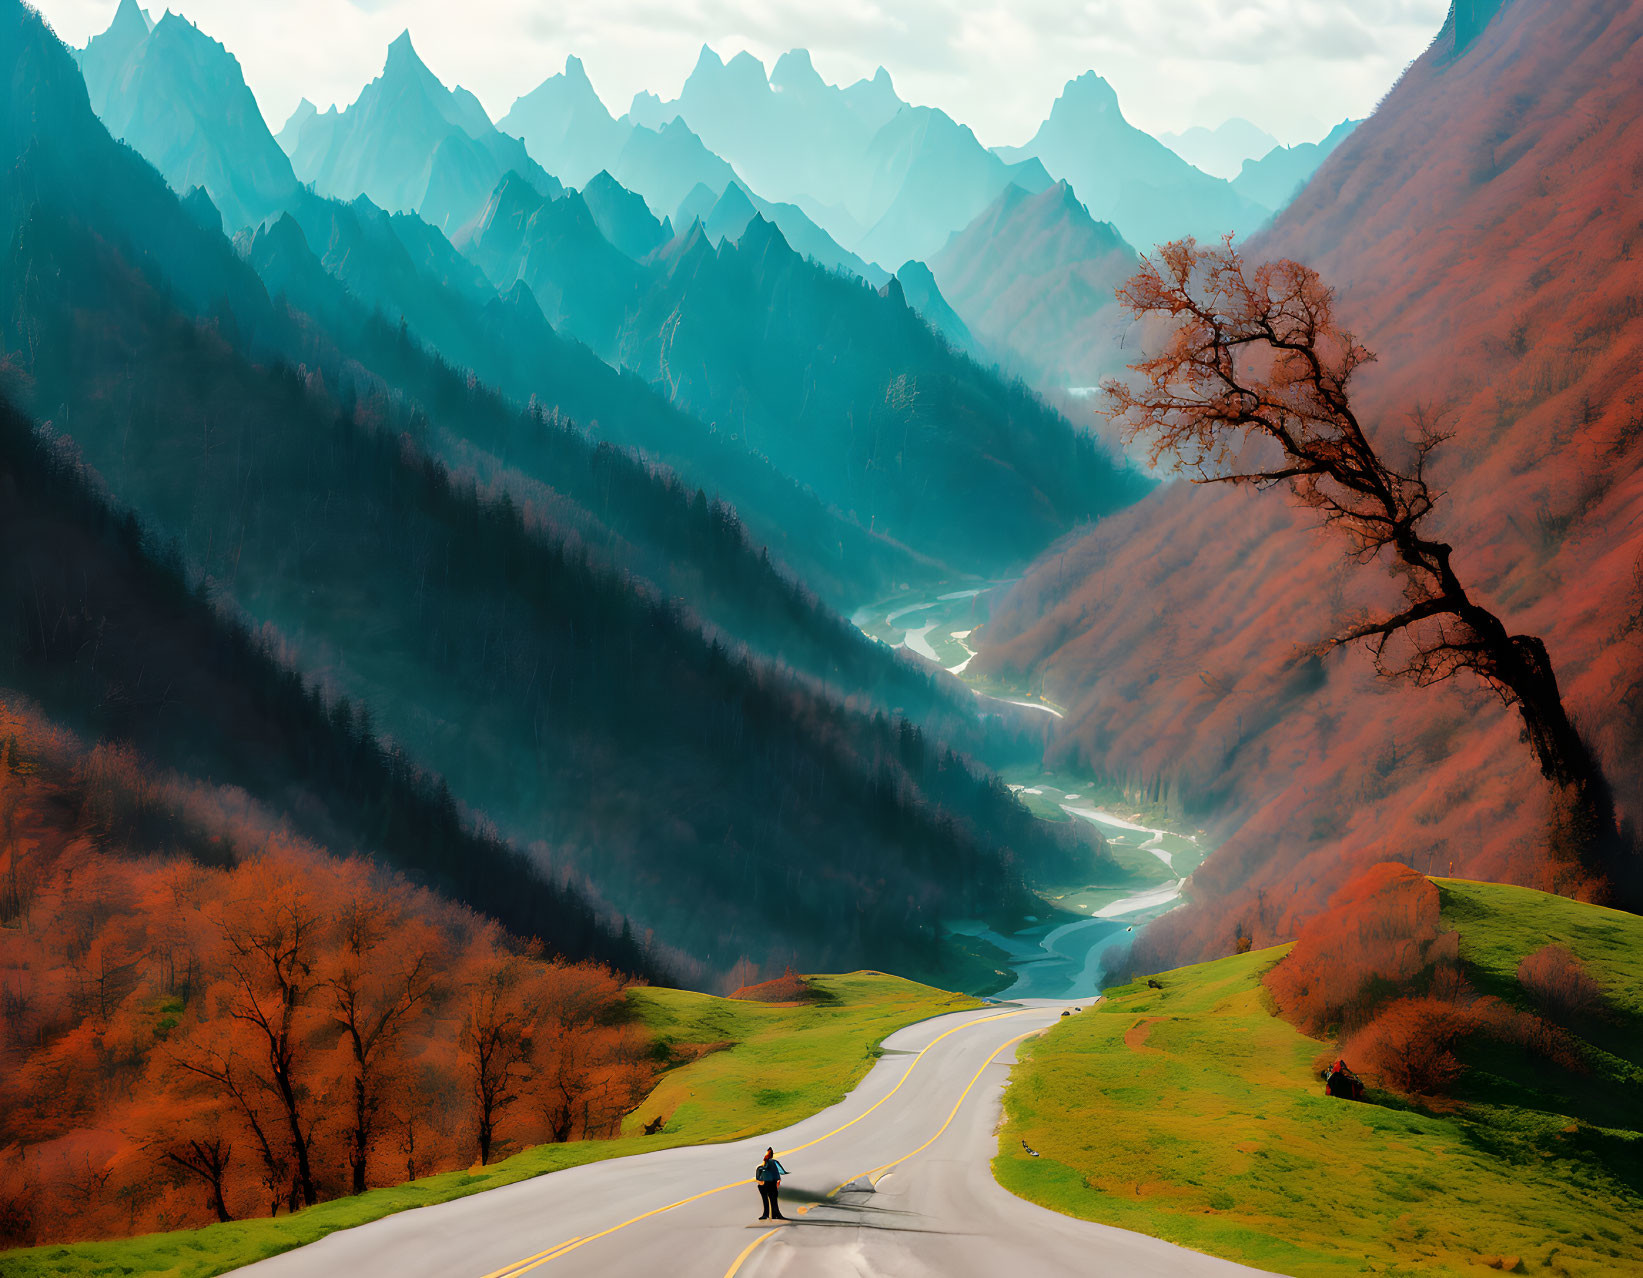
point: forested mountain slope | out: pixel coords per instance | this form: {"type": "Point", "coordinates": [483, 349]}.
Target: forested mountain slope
{"type": "Point", "coordinates": [581, 713]}
{"type": "Point", "coordinates": [408, 271]}
{"type": "Point", "coordinates": [908, 412]}
{"type": "Point", "coordinates": [102, 629]}
{"type": "Point", "coordinates": [1179, 634]}
{"type": "Point", "coordinates": [847, 390]}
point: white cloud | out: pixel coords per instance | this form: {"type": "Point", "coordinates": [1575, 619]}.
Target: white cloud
{"type": "Point", "coordinates": [1292, 66]}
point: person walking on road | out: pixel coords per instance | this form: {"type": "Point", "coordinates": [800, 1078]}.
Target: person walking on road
{"type": "Point", "coordinates": [769, 1175]}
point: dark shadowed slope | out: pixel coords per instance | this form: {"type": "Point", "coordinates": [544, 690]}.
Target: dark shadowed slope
{"type": "Point", "coordinates": [102, 629]}
{"type": "Point", "coordinates": [1481, 227]}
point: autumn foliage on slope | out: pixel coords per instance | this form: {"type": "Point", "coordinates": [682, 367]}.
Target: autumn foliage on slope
{"type": "Point", "coordinates": [1377, 971]}
{"type": "Point", "coordinates": [241, 1024]}
{"type": "Point", "coordinates": [1482, 230]}
{"type": "Point", "coordinates": [1380, 929]}
{"type": "Point", "coordinates": [789, 987]}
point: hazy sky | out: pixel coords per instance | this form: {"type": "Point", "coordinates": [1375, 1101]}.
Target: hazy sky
{"type": "Point", "coordinates": [1295, 67]}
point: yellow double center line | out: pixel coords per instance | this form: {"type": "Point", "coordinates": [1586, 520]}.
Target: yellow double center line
{"type": "Point", "coordinates": [871, 1176]}
{"type": "Point", "coordinates": [874, 1175]}
{"type": "Point", "coordinates": [554, 1253]}
{"type": "Point", "coordinates": [531, 1262]}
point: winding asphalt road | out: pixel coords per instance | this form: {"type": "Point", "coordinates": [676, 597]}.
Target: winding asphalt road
{"type": "Point", "coordinates": [894, 1180]}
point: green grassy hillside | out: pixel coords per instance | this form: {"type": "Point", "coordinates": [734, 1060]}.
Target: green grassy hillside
{"type": "Point", "coordinates": [767, 1067]}
{"type": "Point", "coordinates": [1192, 1113]}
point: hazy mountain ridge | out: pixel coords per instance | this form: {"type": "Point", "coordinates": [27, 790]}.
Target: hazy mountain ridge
{"type": "Point", "coordinates": [898, 179]}
{"type": "Point", "coordinates": [474, 633]}
{"type": "Point", "coordinates": [411, 144]}
{"type": "Point", "coordinates": [1277, 177]}
{"type": "Point", "coordinates": [654, 153]}
{"type": "Point", "coordinates": [1035, 274]}
{"type": "Point", "coordinates": [408, 269]}
{"type": "Point", "coordinates": [158, 91]}
{"type": "Point", "coordinates": [1128, 177]}
{"type": "Point", "coordinates": [1224, 150]}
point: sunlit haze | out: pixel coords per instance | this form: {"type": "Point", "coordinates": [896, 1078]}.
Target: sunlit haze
{"type": "Point", "coordinates": [1294, 67]}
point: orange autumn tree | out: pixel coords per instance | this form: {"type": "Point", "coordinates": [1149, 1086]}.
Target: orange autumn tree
{"type": "Point", "coordinates": [383, 974]}
{"type": "Point", "coordinates": [495, 1038]}
{"type": "Point", "coordinates": [1253, 387]}
{"type": "Point", "coordinates": [588, 1066]}
{"type": "Point", "coordinates": [175, 1036]}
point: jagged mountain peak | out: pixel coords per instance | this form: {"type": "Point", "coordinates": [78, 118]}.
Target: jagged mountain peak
{"type": "Point", "coordinates": [515, 189]}
{"type": "Point", "coordinates": [108, 51]}
{"type": "Point", "coordinates": [795, 70]}
{"type": "Point", "coordinates": [518, 299]}
{"type": "Point", "coordinates": [708, 61]}
{"type": "Point", "coordinates": [199, 205]}
{"type": "Point", "coordinates": [762, 236]}
{"type": "Point", "coordinates": [745, 64]}
{"type": "Point", "coordinates": [1061, 193]}
{"type": "Point", "coordinates": [281, 235]}
{"type": "Point", "coordinates": [131, 17]}
{"type": "Point", "coordinates": [402, 55]}
{"type": "Point", "coordinates": [918, 289]}
{"type": "Point", "coordinates": [734, 201]}
{"type": "Point", "coordinates": [575, 71]}
{"type": "Point", "coordinates": [1087, 95]}
{"type": "Point", "coordinates": [173, 27]}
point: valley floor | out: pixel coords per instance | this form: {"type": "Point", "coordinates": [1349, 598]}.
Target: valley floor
{"type": "Point", "coordinates": [1059, 956]}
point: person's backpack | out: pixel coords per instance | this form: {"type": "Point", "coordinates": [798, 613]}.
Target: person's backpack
{"type": "Point", "coordinates": [758, 1173]}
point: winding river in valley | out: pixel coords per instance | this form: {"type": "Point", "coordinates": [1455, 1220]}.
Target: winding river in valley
{"type": "Point", "coordinates": [1051, 960]}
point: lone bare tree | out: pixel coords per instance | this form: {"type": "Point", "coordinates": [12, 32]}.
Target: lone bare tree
{"type": "Point", "coordinates": [1252, 388]}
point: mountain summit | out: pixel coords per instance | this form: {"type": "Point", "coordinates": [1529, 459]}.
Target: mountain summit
{"type": "Point", "coordinates": [179, 98]}
{"type": "Point", "coordinates": [409, 143]}
{"type": "Point", "coordinates": [1128, 177]}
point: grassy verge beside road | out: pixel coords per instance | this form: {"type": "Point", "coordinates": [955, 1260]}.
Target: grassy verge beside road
{"type": "Point", "coordinates": [770, 1066]}
{"type": "Point", "coordinates": [1192, 1113]}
